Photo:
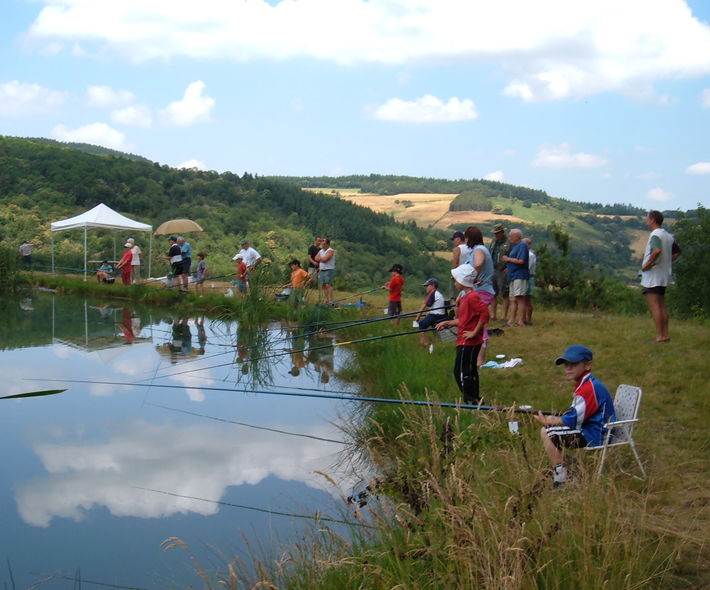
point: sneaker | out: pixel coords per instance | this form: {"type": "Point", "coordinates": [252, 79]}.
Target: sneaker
{"type": "Point", "coordinates": [431, 348]}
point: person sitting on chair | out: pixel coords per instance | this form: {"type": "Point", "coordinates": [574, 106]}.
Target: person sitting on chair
{"type": "Point", "coordinates": [582, 425]}
{"type": "Point", "coordinates": [104, 274]}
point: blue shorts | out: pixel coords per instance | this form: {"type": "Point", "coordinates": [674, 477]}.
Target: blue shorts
{"type": "Point", "coordinates": [325, 277]}
{"type": "Point", "coordinates": [242, 286]}
{"type": "Point", "coordinates": [430, 320]}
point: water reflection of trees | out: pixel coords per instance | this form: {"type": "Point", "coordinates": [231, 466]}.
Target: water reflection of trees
{"type": "Point", "coordinates": [40, 319]}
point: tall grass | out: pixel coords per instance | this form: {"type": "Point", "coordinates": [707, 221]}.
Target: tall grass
{"type": "Point", "coordinates": [468, 505]}
{"type": "Point", "coordinates": [465, 504]}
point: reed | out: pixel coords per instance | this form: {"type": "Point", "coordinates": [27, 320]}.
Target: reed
{"type": "Point", "coordinates": [463, 503]}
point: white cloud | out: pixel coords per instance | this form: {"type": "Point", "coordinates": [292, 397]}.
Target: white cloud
{"type": "Point", "coordinates": [706, 98]}
{"type": "Point", "coordinates": [201, 461]}
{"type": "Point", "coordinates": [18, 99]}
{"type": "Point", "coordinates": [561, 156]}
{"type": "Point", "coordinates": [105, 96]}
{"type": "Point", "coordinates": [425, 109]}
{"type": "Point", "coordinates": [552, 53]}
{"type": "Point", "coordinates": [137, 115]}
{"type": "Point", "coordinates": [94, 133]}
{"type": "Point", "coordinates": [658, 194]}
{"type": "Point", "coordinates": [190, 164]}
{"type": "Point", "coordinates": [698, 168]}
{"type": "Point", "coordinates": [193, 108]}
{"type": "Point", "coordinates": [497, 176]}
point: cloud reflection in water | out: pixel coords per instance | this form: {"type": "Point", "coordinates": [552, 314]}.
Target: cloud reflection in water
{"type": "Point", "coordinates": [201, 460]}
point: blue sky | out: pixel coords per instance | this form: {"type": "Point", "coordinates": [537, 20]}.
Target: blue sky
{"type": "Point", "coordinates": [605, 101]}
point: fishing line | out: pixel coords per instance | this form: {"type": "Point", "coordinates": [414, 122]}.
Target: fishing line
{"type": "Point", "coordinates": [340, 442]}
{"type": "Point", "coordinates": [356, 295]}
{"type": "Point", "coordinates": [316, 517]}
{"type": "Point", "coordinates": [351, 397]}
{"type": "Point", "coordinates": [62, 576]}
{"type": "Point", "coordinates": [310, 349]}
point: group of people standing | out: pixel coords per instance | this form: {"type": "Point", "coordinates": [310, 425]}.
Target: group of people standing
{"type": "Point", "coordinates": [130, 263]}
{"type": "Point", "coordinates": [320, 268]}
{"type": "Point", "coordinates": [513, 275]}
{"type": "Point", "coordinates": [479, 275]}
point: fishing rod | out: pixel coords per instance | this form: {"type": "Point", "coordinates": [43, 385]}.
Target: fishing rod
{"type": "Point", "coordinates": [247, 425]}
{"type": "Point", "coordinates": [354, 324]}
{"type": "Point", "coordinates": [356, 295]}
{"type": "Point", "coordinates": [311, 349]}
{"type": "Point", "coordinates": [276, 354]}
{"type": "Point", "coordinates": [341, 397]}
{"type": "Point", "coordinates": [316, 517]}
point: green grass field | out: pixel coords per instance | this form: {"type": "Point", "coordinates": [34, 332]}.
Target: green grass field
{"type": "Point", "coordinates": [471, 505]}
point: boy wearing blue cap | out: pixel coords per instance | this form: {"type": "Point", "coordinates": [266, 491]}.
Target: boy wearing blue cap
{"type": "Point", "coordinates": [582, 424]}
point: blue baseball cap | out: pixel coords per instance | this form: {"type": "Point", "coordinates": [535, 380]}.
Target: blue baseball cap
{"type": "Point", "coordinates": [457, 234]}
{"type": "Point", "coordinates": [431, 281]}
{"type": "Point", "coordinates": [574, 354]}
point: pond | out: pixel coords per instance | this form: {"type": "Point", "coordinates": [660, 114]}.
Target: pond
{"type": "Point", "coordinates": [94, 479]}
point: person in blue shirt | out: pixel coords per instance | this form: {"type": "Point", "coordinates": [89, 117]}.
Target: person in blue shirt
{"type": "Point", "coordinates": [518, 276]}
{"type": "Point", "coordinates": [582, 424]}
{"type": "Point", "coordinates": [186, 251]}
{"type": "Point", "coordinates": [105, 272]}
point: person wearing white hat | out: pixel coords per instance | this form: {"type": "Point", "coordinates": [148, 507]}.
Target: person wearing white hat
{"type": "Point", "coordinates": [135, 262]}
{"type": "Point", "coordinates": [124, 265]}
{"type": "Point", "coordinates": [471, 316]}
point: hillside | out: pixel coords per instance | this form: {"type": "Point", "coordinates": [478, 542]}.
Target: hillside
{"type": "Point", "coordinates": [43, 181]}
{"type": "Point", "coordinates": [610, 237]}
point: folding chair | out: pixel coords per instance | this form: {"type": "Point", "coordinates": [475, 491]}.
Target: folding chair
{"type": "Point", "coordinates": [620, 432]}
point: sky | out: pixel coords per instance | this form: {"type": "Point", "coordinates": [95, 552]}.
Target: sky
{"type": "Point", "coordinates": [604, 101]}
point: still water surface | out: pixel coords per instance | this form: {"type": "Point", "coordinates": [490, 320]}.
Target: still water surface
{"type": "Point", "coordinates": [95, 478]}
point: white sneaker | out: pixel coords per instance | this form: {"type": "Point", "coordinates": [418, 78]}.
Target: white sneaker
{"type": "Point", "coordinates": [431, 348]}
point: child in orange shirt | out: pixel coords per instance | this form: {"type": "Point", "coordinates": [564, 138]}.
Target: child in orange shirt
{"type": "Point", "coordinates": [299, 280]}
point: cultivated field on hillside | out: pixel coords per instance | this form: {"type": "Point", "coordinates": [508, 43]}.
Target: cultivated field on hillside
{"type": "Point", "coordinates": [426, 209]}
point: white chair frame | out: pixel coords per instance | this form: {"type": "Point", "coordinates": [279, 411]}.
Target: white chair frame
{"type": "Point", "coordinates": [620, 432]}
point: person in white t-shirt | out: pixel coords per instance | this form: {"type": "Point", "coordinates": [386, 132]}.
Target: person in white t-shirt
{"type": "Point", "coordinates": [326, 269]}
{"type": "Point", "coordinates": [532, 267]}
{"type": "Point", "coordinates": [250, 256]}
{"type": "Point", "coordinates": [459, 255]}
{"type": "Point", "coordinates": [656, 269]}
{"type": "Point", "coordinates": [135, 262]}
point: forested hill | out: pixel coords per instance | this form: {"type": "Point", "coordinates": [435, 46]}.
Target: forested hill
{"type": "Point", "coordinates": [393, 185]}
{"type": "Point", "coordinates": [43, 181]}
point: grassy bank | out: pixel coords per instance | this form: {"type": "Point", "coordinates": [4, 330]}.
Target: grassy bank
{"type": "Point", "coordinates": [460, 502]}
{"type": "Point", "coordinates": [470, 505]}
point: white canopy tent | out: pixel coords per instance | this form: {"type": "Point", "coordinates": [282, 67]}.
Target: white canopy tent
{"type": "Point", "coordinates": [103, 217]}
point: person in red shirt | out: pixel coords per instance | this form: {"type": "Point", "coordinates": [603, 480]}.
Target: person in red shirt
{"type": "Point", "coordinates": [395, 286]}
{"type": "Point", "coordinates": [471, 316]}
{"type": "Point", "coordinates": [124, 265]}
{"type": "Point", "coordinates": [242, 276]}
